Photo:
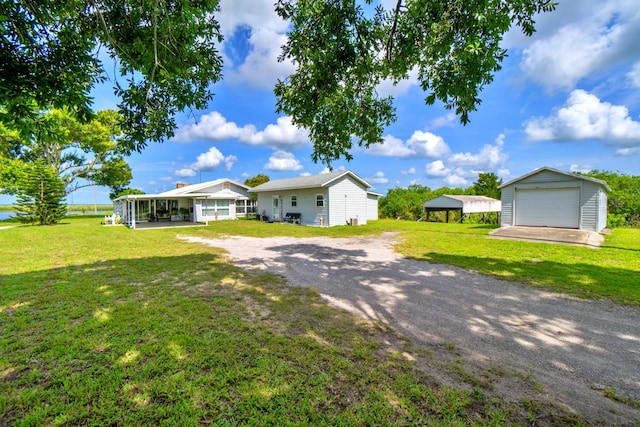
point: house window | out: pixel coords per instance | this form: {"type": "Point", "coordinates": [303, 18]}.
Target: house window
{"type": "Point", "coordinates": [294, 201]}
{"type": "Point", "coordinates": [320, 200]}
{"type": "Point", "coordinates": [241, 206]}
{"type": "Point", "coordinates": [223, 207]}
{"type": "Point", "coordinates": [209, 208]}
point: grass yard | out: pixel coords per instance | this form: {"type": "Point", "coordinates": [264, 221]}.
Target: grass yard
{"type": "Point", "coordinates": [110, 326]}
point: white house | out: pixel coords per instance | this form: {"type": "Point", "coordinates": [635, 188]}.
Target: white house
{"type": "Point", "coordinates": [549, 197]}
{"type": "Point", "coordinates": [207, 201]}
{"type": "Point", "coordinates": [328, 199]}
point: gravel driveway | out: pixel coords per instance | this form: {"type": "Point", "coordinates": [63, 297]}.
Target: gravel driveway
{"type": "Point", "coordinates": [573, 348]}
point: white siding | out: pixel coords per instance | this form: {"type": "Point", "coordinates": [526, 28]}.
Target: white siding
{"type": "Point", "coordinates": [589, 206]}
{"type": "Point", "coordinates": [306, 205]}
{"type": "Point", "coordinates": [591, 212]}
{"type": "Point", "coordinates": [602, 210]}
{"type": "Point", "coordinates": [347, 200]}
{"type": "Point", "coordinates": [372, 207]}
{"type": "Point", "coordinates": [506, 214]}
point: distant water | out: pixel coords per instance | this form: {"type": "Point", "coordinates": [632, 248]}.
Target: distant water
{"type": "Point", "coordinates": [5, 215]}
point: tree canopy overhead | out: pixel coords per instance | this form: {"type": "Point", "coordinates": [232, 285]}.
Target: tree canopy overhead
{"type": "Point", "coordinates": [167, 58]}
{"type": "Point", "coordinates": [165, 50]}
{"type": "Point", "coordinates": [343, 52]}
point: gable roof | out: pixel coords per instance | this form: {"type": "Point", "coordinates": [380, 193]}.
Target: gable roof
{"type": "Point", "coordinates": [194, 190]}
{"type": "Point", "coordinates": [311, 181]}
{"type": "Point", "coordinates": [546, 168]}
{"type": "Point", "coordinates": [197, 188]}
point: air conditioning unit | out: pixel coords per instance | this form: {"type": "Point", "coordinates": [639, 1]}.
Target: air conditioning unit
{"type": "Point", "coordinates": [353, 221]}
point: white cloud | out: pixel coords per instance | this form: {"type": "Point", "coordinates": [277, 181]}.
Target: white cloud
{"type": "Point", "coordinates": [212, 127]}
{"type": "Point", "coordinates": [628, 151]}
{"type": "Point", "coordinates": [378, 178]}
{"type": "Point", "coordinates": [437, 169]}
{"type": "Point", "coordinates": [411, 171]}
{"type": "Point", "coordinates": [208, 161]}
{"type": "Point", "coordinates": [421, 144]}
{"type": "Point", "coordinates": [283, 135]}
{"type": "Point", "coordinates": [580, 38]}
{"type": "Point", "coordinates": [266, 47]}
{"type": "Point", "coordinates": [447, 120]}
{"type": "Point", "coordinates": [566, 57]}
{"type": "Point", "coordinates": [456, 181]}
{"type": "Point", "coordinates": [185, 173]}
{"type": "Point", "coordinates": [584, 117]}
{"type": "Point", "coordinates": [580, 168]}
{"type": "Point", "coordinates": [260, 68]}
{"type": "Point", "coordinates": [426, 144]}
{"type": "Point", "coordinates": [229, 161]}
{"type": "Point", "coordinates": [391, 147]}
{"type": "Point", "coordinates": [461, 169]}
{"type": "Point", "coordinates": [283, 161]}
{"type": "Point", "coordinates": [488, 158]}
{"type": "Point", "coordinates": [634, 75]}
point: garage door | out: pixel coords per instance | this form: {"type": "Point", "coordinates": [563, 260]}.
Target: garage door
{"type": "Point", "coordinates": [554, 207]}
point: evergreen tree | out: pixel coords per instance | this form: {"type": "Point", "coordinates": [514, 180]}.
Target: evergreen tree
{"type": "Point", "coordinates": [42, 197]}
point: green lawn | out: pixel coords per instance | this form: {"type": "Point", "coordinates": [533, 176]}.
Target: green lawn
{"type": "Point", "coordinates": [111, 326]}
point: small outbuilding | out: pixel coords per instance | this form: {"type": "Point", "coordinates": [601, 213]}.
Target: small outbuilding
{"type": "Point", "coordinates": [463, 204]}
{"type": "Point", "coordinates": [549, 197]}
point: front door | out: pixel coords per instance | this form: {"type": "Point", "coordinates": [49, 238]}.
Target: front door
{"type": "Point", "coordinates": [276, 208]}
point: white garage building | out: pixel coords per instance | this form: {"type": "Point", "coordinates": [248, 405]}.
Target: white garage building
{"type": "Point", "coordinates": [549, 197]}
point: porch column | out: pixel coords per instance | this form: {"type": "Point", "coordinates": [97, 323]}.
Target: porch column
{"type": "Point", "coordinates": [133, 214]}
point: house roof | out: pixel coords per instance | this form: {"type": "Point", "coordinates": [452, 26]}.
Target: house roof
{"type": "Point", "coordinates": [195, 191]}
{"type": "Point", "coordinates": [311, 181]}
{"type": "Point", "coordinates": [546, 168]}
{"type": "Point", "coordinates": [468, 204]}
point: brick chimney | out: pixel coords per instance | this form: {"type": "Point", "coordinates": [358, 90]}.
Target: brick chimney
{"type": "Point", "coordinates": [182, 184]}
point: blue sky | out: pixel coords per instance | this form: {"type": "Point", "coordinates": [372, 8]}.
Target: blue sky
{"type": "Point", "coordinates": [568, 97]}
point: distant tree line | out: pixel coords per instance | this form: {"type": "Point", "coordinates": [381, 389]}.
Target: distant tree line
{"type": "Point", "coordinates": [407, 203]}
{"type": "Point", "coordinates": [623, 200]}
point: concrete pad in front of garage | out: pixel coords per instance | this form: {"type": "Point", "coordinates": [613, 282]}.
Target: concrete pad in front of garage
{"type": "Point", "coordinates": [566, 236]}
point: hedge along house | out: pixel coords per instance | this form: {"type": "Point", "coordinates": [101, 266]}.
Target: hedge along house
{"type": "Point", "coordinates": [549, 197]}
{"type": "Point", "coordinates": [465, 205]}
{"type": "Point", "coordinates": [329, 199]}
{"type": "Point", "coordinates": [207, 201]}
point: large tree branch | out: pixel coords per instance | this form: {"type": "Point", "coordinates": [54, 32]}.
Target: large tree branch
{"type": "Point", "coordinates": [392, 33]}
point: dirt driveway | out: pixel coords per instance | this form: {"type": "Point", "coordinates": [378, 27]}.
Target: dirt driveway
{"type": "Point", "coordinates": [573, 348]}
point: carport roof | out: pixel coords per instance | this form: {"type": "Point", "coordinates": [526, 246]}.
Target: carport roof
{"type": "Point", "coordinates": [468, 204]}
{"type": "Point", "coordinates": [546, 168]}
